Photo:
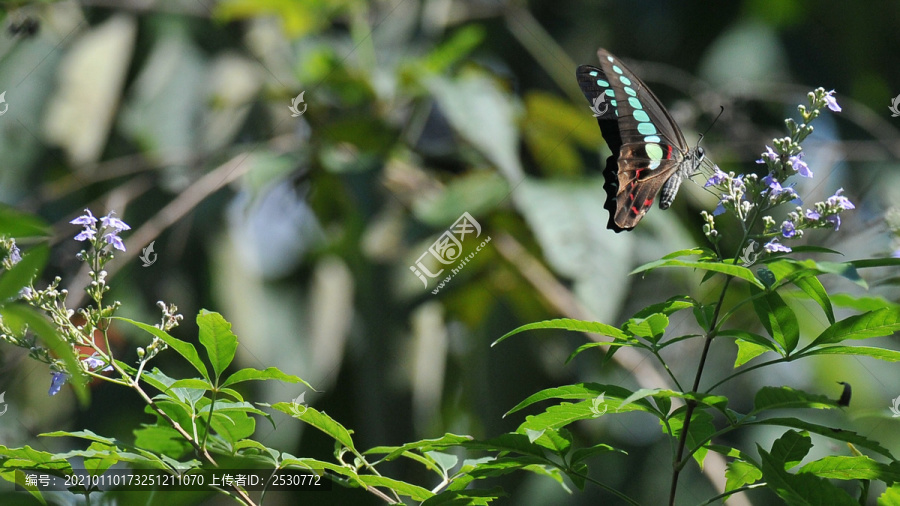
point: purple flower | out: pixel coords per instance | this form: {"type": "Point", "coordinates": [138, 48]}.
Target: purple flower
{"type": "Point", "coordinates": [788, 229]}
{"type": "Point", "coordinates": [116, 223]}
{"type": "Point", "coordinates": [86, 235]}
{"type": "Point", "coordinates": [831, 102]}
{"type": "Point", "coordinates": [59, 379]}
{"type": "Point", "coordinates": [774, 246]}
{"type": "Point", "coordinates": [813, 215]}
{"type": "Point", "coordinates": [720, 209]}
{"type": "Point", "coordinates": [834, 220]}
{"type": "Point", "coordinates": [95, 362]}
{"type": "Point", "coordinates": [840, 201]}
{"type": "Point", "coordinates": [800, 166]}
{"type": "Point", "coordinates": [116, 241]}
{"type": "Point", "coordinates": [25, 293]}
{"type": "Point", "coordinates": [15, 255]}
{"type": "Point", "coordinates": [87, 220]}
{"type": "Point", "coordinates": [717, 178]}
{"type": "Point", "coordinates": [770, 154]}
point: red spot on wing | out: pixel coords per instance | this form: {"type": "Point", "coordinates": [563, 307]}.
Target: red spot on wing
{"type": "Point", "coordinates": [634, 210]}
{"type": "Point", "coordinates": [669, 154]}
{"type": "Point", "coordinates": [648, 202]}
{"type": "Point", "coordinates": [637, 173]}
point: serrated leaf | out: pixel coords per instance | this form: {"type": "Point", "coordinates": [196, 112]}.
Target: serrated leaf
{"type": "Point", "coordinates": [739, 473]}
{"type": "Point", "coordinates": [580, 391]}
{"type": "Point", "coordinates": [218, 339]}
{"type": "Point", "coordinates": [567, 324]}
{"type": "Point", "coordinates": [791, 448]}
{"type": "Point", "coordinates": [881, 322]}
{"type": "Point", "coordinates": [586, 453]}
{"type": "Point", "coordinates": [652, 327]}
{"type": "Point", "coordinates": [890, 497]}
{"type": "Point", "coordinates": [731, 270]}
{"type": "Point", "coordinates": [183, 348]}
{"type": "Point", "coordinates": [700, 430]}
{"type": "Point", "coordinates": [837, 434]}
{"type": "Point", "coordinates": [445, 441]}
{"type": "Point", "coordinates": [471, 497]}
{"type": "Point", "coordinates": [321, 421]}
{"type": "Point", "coordinates": [801, 489]}
{"type": "Point", "coordinates": [668, 308]}
{"type": "Point", "coordinates": [842, 467]}
{"type": "Point", "coordinates": [787, 397]}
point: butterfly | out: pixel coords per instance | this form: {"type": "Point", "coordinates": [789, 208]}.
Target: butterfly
{"type": "Point", "coordinates": [649, 153]}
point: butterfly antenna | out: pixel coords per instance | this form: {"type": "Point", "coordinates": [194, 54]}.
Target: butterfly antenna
{"type": "Point", "coordinates": [721, 110]}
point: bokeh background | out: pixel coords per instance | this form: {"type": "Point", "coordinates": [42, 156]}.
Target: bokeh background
{"type": "Point", "coordinates": [301, 230]}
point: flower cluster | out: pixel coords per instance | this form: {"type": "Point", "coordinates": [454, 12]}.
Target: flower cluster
{"type": "Point", "coordinates": [108, 231]}
{"type": "Point", "coordinates": [749, 198]}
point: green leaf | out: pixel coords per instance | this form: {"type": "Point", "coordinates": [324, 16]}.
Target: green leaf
{"type": "Point", "coordinates": [21, 274]}
{"type": "Point", "coordinates": [731, 270]}
{"type": "Point", "coordinates": [703, 252]}
{"type": "Point", "coordinates": [586, 453]}
{"type": "Point", "coordinates": [740, 473]}
{"type": "Point", "coordinates": [445, 441]}
{"type": "Point", "coordinates": [861, 304]}
{"type": "Point", "coordinates": [837, 434]}
{"type": "Point", "coordinates": [652, 327]}
{"type": "Point", "coordinates": [161, 439]}
{"type": "Point", "coordinates": [17, 224]}
{"type": "Point", "coordinates": [183, 348]}
{"type": "Point", "coordinates": [747, 351]}
{"type": "Point", "coordinates": [668, 308]}
{"type": "Point", "coordinates": [875, 262]}
{"type": "Point", "coordinates": [567, 324]}
{"type": "Point", "coordinates": [471, 497]}
{"type": "Point", "coordinates": [18, 315]}
{"type": "Point", "coordinates": [700, 430]}
{"type": "Point", "coordinates": [786, 397]}
{"type": "Point", "coordinates": [401, 487]}
{"type": "Point", "coordinates": [580, 391]}
{"type": "Point", "coordinates": [193, 383]}
{"type": "Point", "coordinates": [778, 319]}
{"type": "Point", "coordinates": [509, 442]}
{"type": "Point", "coordinates": [816, 291]}
{"type": "Point", "coordinates": [852, 468]}
{"type": "Point", "coordinates": [890, 497]}
{"type": "Point", "coordinates": [218, 339]}
{"type": "Point", "coordinates": [270, 373]}
{"type": "Point", "coordinates": [319, 420]}
{"type": "Point", "coordinates": [801, 489]}
{"type": "Point", "coordinates": [879, 353]}
{"type": "Point", "coordinates": [456, 47]}
{"type": "Point", "coordinates": [790, 449]}
{"type": "Point", "coordinates": [881, 322]}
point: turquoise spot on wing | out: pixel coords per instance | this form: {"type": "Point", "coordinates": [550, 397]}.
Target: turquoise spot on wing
{"type": "Point", "coordinates": [614, 103]}
{"type": "Point", "coordinates": [635, 103]}
{"type": "Point", "coordinates": [617, 69]}
{"type": "Point", "coordinates": [625, 80]}
{"type": "Point", "coordinates": [646, 128]}
{"type": "Point", "coordinates": [593, 73]}
{"type": "Point", "coordinates": [654, 151]}
{"type": "Point", "coordinates": [641, 116]}
{"type": "Point", "coordinates": [610, 92]}
{"type": "Point", "coordinates": [602, 83]}
{"type": "Point", "coordinates": [610, 58]}
{"type": "Point", "coordinates": [630, 91]}
{"type": "Point", "coordinates": [653, 164]}
{"type": "Point", "coordinates": [651, 138]}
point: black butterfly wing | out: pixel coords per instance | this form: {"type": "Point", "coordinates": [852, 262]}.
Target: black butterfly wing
{"type": "Point", "coordinates": [647, 145]}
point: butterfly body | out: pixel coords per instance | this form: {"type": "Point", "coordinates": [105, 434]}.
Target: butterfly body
{"type": "Point", "coordinates": [649, 153]}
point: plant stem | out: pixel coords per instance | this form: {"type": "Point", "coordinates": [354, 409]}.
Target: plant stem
{"type": "Point", "coordinates": [691, 404]}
